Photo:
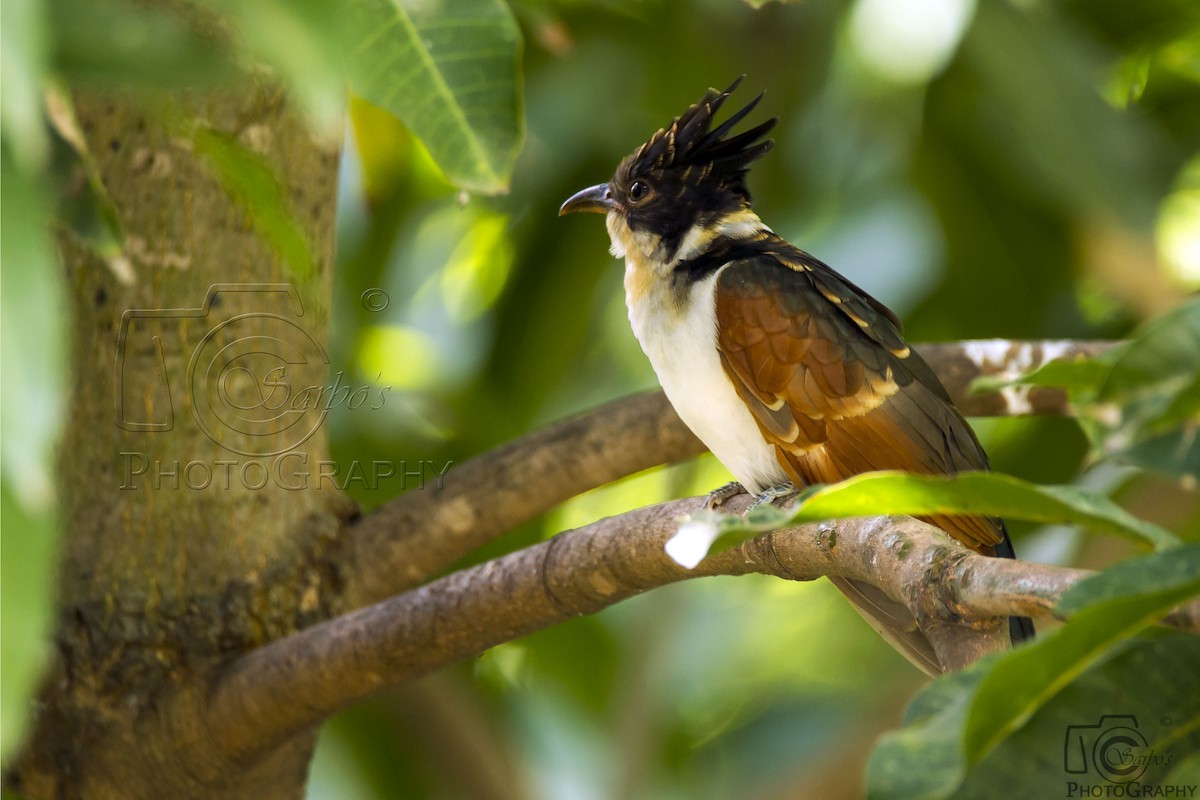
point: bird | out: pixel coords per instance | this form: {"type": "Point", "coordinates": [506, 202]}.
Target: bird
{"type": "Point", "coordinates": [787, 371]}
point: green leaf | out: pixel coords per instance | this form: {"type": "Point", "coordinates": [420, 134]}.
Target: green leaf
{"type": "Point", "coordinates": [1181, 55]}
{"type": "Point", "coordinates": [1138, 402]}
{"type": "Point", "coordinates": [1107, 608]}
{"type": "Point", "coordinates": [1175, 453]}
{"type": "Point", "coordinates": [23, 47]}
{"type": "Point", "coordinates": [84, 207]}
{"type": "Point", "coordinates": [1176, 568]}
{"type": "Point", "coordinates": [450, 70]}
{"type": "Point", "coordinates": [1167, 348]}
{"type": "Point", "coordinates": [1182, 408]}
{"type": "Point", "coordinates": [924, 758]}
{"type": "Point", "coordinates": [1128, 81]}
{"type": "Point", "coordinates": [33, 299]}
{"type": "Point", "coordinates": [249, 179]}
{"type": "Point", "coordinates": [1078, 375]}
{"type": "Point", "coordinates": [985, 493]}
{"type": "Point", "coordinates": [966, 726]}
{"type": "Point", "coordinates": [26, 609]}
{"type": "Point", "coordinates": [33, 324]}
{"type": "Point", "coordinates": [1187, 773]}
{"type": "Point", "coordinates": [1150, 685]}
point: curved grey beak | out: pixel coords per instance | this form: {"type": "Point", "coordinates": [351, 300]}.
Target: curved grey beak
{"type": "Point", "coordinates": [596, 198]}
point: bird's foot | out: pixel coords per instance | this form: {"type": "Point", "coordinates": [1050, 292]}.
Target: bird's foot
{"type": "Point", "coordinates": [719, 496]}
{"type": "Point", "coordinates": [780, 491]}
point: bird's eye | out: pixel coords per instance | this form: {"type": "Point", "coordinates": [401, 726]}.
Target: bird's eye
{"type": "Point", "coordinates": [638, 192]}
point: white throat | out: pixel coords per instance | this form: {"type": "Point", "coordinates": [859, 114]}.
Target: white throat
{"type": "Point", "coordinates": [679, 336]}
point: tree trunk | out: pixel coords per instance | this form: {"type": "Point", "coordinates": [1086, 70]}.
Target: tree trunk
{"type": "Point", "coordinates": [197, 523]}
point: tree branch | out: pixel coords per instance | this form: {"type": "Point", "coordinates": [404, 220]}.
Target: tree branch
{"type": "Point", "coordinates": [264, 697]}
{"type": "Point", "coordinates": [402, 543]}
{"type": "Point", "coordinates": [405, 542]}
{"type": "Point", "coordinates": [960, 597]}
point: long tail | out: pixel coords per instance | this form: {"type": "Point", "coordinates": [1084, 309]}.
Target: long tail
{"type": "Point", "coordinates": [1020, 628]}
{"type": "Point", "coordinates": [894, 622]}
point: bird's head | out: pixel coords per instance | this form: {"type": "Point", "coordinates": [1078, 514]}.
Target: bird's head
{"type": "Point", "coordinates": [683, 187]}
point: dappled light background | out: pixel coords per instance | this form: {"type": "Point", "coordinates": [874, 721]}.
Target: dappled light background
{"type": "Point", "coordinates": [987, 169]}
{"type": "Point", "coordinates": [990, 170]}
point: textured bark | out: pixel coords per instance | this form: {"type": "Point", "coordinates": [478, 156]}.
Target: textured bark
{"type": "Point", "coordinates": [167, 573]}
{"type": "Point", "coordinates": [405, 542]}
{"type": "Point", "coordinates": [961, 599]}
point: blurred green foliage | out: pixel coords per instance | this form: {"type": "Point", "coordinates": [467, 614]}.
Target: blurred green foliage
{"type": "Point", "coordinates": [958, 722]}
{"type": "Point", "coordinates": [987, 168]}
{"type": "Point", "coordinates": [449, 71]}
{"type": "Point", "coordinates": [886, 492]}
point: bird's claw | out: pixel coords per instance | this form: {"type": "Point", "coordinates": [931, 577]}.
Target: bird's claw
{"type": "Point", "coordinates": [782, 491]}
{"type": "Point", "coordinates": [719, 496]}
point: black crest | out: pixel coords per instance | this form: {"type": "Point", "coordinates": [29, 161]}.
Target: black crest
{"type": "Point", "coordinates": [690, 173]}
{"type": "Point", "coordinates": [691, 154]}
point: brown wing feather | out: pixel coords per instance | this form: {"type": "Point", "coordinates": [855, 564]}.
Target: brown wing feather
{"type": "Point", "coordinates": [833, 385]}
